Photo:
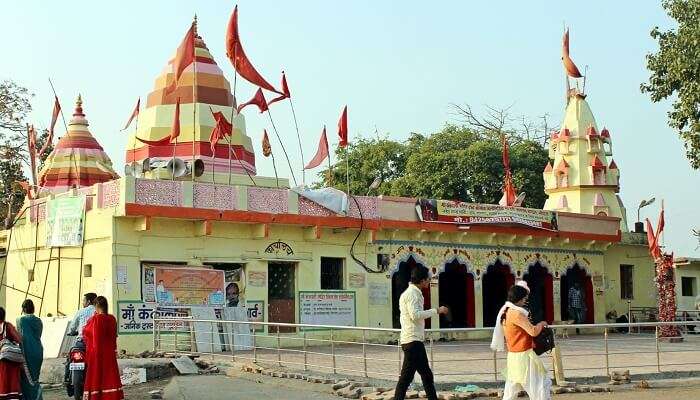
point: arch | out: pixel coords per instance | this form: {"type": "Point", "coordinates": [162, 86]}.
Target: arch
{"type": "Point", "coordinates": [458, 259]}
{"type": "Point", "coordinates": [495, 283]}
{"type": "Point", "coordinates": [456, 291]}
{"type": "Point", "coordinates": [577, 273]}
{"type": "Point", "coordinates": [541, 299]}
{"type": "Point", "coordinates": [404, 258]}
{"type": "Point", "coordinates": [400, 279]}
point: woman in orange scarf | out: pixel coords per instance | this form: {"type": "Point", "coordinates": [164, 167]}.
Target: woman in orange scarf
{"type": "Point", "coordinates": [524, 369]}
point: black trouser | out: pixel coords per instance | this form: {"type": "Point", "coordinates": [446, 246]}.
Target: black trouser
{"type": "Point", "coordinates": [415, 360]}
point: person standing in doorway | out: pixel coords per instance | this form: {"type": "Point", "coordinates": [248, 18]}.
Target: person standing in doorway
{"type": "Point", "coordinates": [577, 306]}
{"type": "Point", "coordinates": [413, 333]}
{"type": "Point", "coordinates": [30, 328]}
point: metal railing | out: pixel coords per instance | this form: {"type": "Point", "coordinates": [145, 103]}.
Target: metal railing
{"type": "Point", "coordinates": [456, 355]}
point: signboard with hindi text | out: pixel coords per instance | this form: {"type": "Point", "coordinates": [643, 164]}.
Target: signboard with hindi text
{"type": "Point", "coordinates": [327, 308]}
{"type": "Point", "coordinates": [455, 212]}
{"type": "Point", "coordinates": [136, 317]}
{"type": "Point", "coordinates": [64, 221]}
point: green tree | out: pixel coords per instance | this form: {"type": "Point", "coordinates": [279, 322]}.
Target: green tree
{"type": "Point", "coordinates": [10, 194]}
{"type": "Point", "coordinates": [675, 73]}
{"type": "Point", "coordinates": [457, 163]}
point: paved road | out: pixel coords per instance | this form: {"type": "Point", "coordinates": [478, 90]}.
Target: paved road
{"type": "Point", "coordinates": [221, 387]}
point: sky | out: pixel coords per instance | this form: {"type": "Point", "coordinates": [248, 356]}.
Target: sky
{"type": "Point", "coordinates": [398, 65]}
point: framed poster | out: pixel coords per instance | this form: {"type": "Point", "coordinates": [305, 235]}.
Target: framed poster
{"type": "Point", "coordinates": [327, 308]}
{"type": "Point", "coordinates": [188, 286]}
{"type": "Point", "coordinates": [64, 221]}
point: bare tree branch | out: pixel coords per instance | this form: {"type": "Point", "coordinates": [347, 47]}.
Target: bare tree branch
{"type": "Point", "coordinates": [495, 121]}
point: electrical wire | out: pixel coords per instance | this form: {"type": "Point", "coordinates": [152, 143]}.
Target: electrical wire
{"type": "Point", "coordinates": [352, 247]}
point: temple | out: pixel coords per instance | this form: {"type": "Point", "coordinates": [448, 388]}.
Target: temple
{"type": "Point", "coordinates": [187, 232]}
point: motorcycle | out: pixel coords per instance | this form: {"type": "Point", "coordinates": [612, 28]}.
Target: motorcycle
{"type": "Point", "coordinates": [75, 369]}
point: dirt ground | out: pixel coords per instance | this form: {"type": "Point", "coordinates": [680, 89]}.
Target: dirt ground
{"type": "Point", "coordinates": [133, 392]}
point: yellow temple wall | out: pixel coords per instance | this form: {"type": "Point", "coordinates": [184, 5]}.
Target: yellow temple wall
{"type": "Point", "coordinates": [690, 269]}
{"type": "Point", "coordinates": [631, 251]}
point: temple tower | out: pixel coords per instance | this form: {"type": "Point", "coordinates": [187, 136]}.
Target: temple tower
{"type": "Point", "coordinates": [207, 90]}
{"type": "Point", "coordinates": [583, 177]}
{"type": "Point", "coordinates": [77, 160]}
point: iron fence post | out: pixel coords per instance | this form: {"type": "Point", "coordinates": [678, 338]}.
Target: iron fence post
{"type": "Point", "coordinates": [211, 345]}
{"type": "Point", "coordinates": [629, 317]}
{"type": "Point", "coordinates": [398, 349]}
{"type": "Point", "coordinates": [255, 347]}
{"type": "Point", "coordinates": [155, 332]}
{"type": "Point", "coordinates": [658, 349]}
{"type": "Point", "coordinates": [607, 353]}
{"type": "Point", "coordinates": [306, 361]}
{"type": "Point", "coordinates": [432, 360]}
{"type": "Point", "coordinates": [495, 366]}
{"type": "Point", "coordinates": [232, 339]}
{"type": "Point", "coordinates": [175, 340]}
{"type": "Point", "coordinates": [364, 351]}
{"type": "Point", "coordinates": [333, 350]}
{"type": "Point", "coordinates": [279, 351]}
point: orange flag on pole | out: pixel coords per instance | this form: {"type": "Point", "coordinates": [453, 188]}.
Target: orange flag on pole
{"type": "Point", "coordinates": [569, 66]}
{"type": "Point", "coordinates": [134, 114]}
{"type": "Point", "coordinates": [285, 91]}
{"type": "Point", "coordinates": [183, 58]}
{"type": "Point", "coordinates": [241, 63]}
{"type": "Point", "coordinates": [321, 152]}
{"type": "Point", "coordinates": [258, 100]}
{"type": "Point", "coordinates": [174, 132]}
{"type": "Point", "coordinates": [343, 128]}
{"type": "Point", "coordinates": [266, 148]}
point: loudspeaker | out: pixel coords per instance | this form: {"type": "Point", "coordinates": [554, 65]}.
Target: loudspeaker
{"type": "Point", "coordinates": [198, 167]}
{"type": "Point", "coordinates": [135, 169]}
{"type": "Point", "coordinates": [146, 165]}
{"type": "Point", "coordinates": [176, 167]}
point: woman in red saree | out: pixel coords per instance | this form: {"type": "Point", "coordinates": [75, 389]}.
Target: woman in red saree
{"type": "Point", "coordinates": [102, 381]}
{"type": "Point", "coordinates": [9, 371]}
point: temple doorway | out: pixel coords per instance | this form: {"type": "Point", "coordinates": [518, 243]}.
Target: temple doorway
{"type": "Point", "coordinates": [494, 289]}
{"type": "Point", "coordinates": [456, 288]}
{"type": "Point", "coordinates": [541, 299]}
{"type": "Point", "coordinates": [399, 283]}
{"type": "Point", "coordinates": [577, 274]}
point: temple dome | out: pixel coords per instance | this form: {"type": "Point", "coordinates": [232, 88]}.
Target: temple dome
{"type": "Point", "coordinates": [207, 90]}
{"type": "Point", "coordinates": [77, 160]}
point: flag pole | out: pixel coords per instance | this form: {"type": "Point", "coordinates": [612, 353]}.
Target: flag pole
{"type": "Point", "coordinates": [233, 107]}
{"type": "Point", "coordinates": [194, 94]}
{"type": "Point", "coordinates": [274, 167]}
{"type": "Point", "coordinates": [330, 167]}
{"type": "Point", "coordinates": [240, 162]}
{"type": "Point", "coordinates": [291, 170]}
{"type": "Point", "coordinates": [347, 168]}
{"type": "Point", "coordinates": [301, 150]}
{"type": "Point", "coordinates": [133, 147]}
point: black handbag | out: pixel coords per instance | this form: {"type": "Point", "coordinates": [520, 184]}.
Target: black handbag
{"type": "Point", "coordinates": [544, 342]}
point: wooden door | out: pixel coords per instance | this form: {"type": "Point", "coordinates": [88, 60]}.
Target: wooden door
{"type": "Point", "coordinates": [281, 294]}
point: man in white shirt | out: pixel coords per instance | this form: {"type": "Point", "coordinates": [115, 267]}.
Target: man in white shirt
{"type": "Point", "coordinates": [413, 333]}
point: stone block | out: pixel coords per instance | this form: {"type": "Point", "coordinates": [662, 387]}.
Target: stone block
{"type": "Point", "coordinates": [341, 384]}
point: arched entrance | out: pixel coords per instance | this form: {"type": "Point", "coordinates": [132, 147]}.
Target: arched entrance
{"type": "Point", "coordinates": [399, 282]}
{"type": "Point", "coordinates": [494, 289]}
{"type": "Point", "coordinates": [456, 288]}
{"type": "Point", "coordinates": [541, 299]}
{"type": "Point", "coordinates": [577, 274]}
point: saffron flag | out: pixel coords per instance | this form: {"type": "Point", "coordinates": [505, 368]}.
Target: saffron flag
{"type": "Point", "coordinates": [183, 58]}
{"type": "Point", "coordinates": [509, 194]}
{"type": "Point", "coordinates": [27, 188]}
{"type": "Point", "coordinates": [267, 149]}
{"type": "Point", "coordinates": [31, 141]}
{"type": "Point", "coordinates": [569, 65]}
{"type": "Point", "coordinates": [321, 152]}
{"type": "Point", "coordinates": [258, 100]}
{"type": "Point", "coordinates": [241, 63]}
{"type": "Point", "coordinates": [285, 91]}
{"type": "Point", "coordinates": [134, 114]}
{"type": "Point", "coordinates": [221, 129]}
{"type": "Point", "coordinates": [343, 128]}
{"type": "Point", "coordinates": [54, 118]}
{"type": "Point", "coordinates": [174, 131]}
{"type": "Point", "coordinates": [662, 222]}
{"type": "Point", "coordinates": [652, 240]}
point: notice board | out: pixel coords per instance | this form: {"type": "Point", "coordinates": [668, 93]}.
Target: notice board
{"type": "Point", "coordinates": [327, 308]}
